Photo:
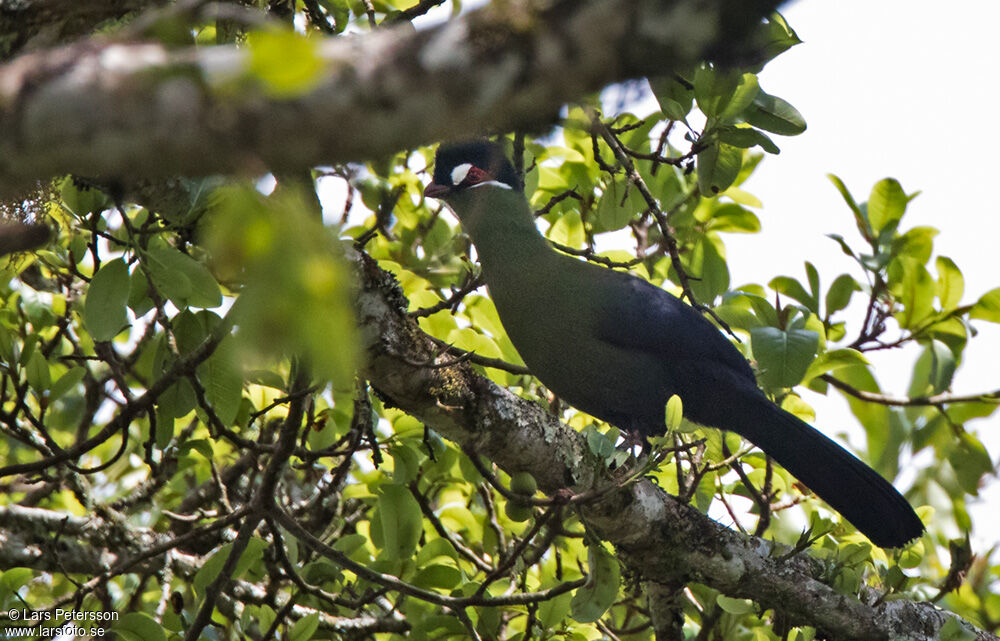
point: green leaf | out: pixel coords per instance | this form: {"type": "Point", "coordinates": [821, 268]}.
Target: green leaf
{"type": "Point", "coordinates": [794, 289]}
{"type": "Point", "coordinates": [601, 589]}
{"type": "Point", "coordinates": [840, 292]}
{"type": "Point", "coordinates": [675, 412]}
{"type": "Point", "coordinates": [138, 626]}
{"type": "Point", "coordinates": [747, 137]}
{"type": "Point", "coordinates": [252, 554]}
{"type": "Point", "coordinates": [82, 201]}
{"type": "Point", "coordinates": [222, 378]}
{"type": "Point", "coordinates": [552, 611]}
{"type": "Point", "coordinates": [402, 522]}
{"type": "Point", "coordinates": [442, 577]}
{"type": "Point", "coordinates": [304, 628]}
{"type": "Point", "coordinates": [833, 360]}
{"type": "Point", "coordinates": [934, 370]}
{"type": "Point", "coordinates": [734, 606]}
{"type": "Point", "coordinates": [611, 214]}
{"type": "Point", "coordinates": [730, 217]}
{"type": "Point", "coordinates": [954, 629]}
{"type": "Point", "coordinates": [182, 279]}
{"type": "Point", "coordinates": [912, 287]}
{"type": "Point", "coordinates": [741, 97]}
{"type": "Point", "coordinates": [341, 12]}
{"type": "Point", "coordinates": [568, 229]}
{"type": "Point", "coordinates": [104, 309]}
{"type": "Point", "coordinates": [886, 203]}
{"type": "Point", "coordinates": [950, 283]}
{"type": "Point", "coordinates": [14, 578]}
{"type": "Point", "coordinates": [860, 218]}
{"type": "Point", "coordinates": [970, 461]}
{"type": "Point", "coordinates": [916, 243]}
{"type": "Point", "coordinates": [987, 308]}
{"type": "Point", "coordinates": [164, 429]}
{"type": "Point", "coordinates": [709, 268]}
{"type": "Point", "coordinates": [177, 400]}
{"type": "Point", "coordinates": [780, 37]}
{"type": "Point", "coordinates": [709, 88]}
{"type": "Point", "coordinates": [37, 372]}
{"type": "Point", "coordinates": [718, 166]}
{"type": "Point", "coordinates": [773, 114]}
{"type": "Point", "coordinates": [783, 357]}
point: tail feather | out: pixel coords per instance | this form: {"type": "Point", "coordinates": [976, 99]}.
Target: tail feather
{"type": "Point", "coordinates": [849, 486]}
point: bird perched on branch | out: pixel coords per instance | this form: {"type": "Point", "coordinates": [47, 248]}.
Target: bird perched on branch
{"type": "Point", "coordinates": [618, 347]}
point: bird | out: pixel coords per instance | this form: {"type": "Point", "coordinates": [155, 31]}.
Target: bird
{"type": "Point", "coordinates": [618, 347]}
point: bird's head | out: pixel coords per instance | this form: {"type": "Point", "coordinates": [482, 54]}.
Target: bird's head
{"type": "Point", "coordinates": [464, 166]}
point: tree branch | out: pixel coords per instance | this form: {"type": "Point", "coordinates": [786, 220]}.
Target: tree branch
{"type": "Point", "coordinates": [131, 110]}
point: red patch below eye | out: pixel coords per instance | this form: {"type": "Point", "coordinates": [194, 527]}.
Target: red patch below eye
{"type": "Point", "coordinates": [476, 176]}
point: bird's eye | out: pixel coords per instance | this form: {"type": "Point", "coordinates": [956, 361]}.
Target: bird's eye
{"type": "Point", "coordinates": [468, 175]}
{"type": "Point", "coordinates": [459, 173]}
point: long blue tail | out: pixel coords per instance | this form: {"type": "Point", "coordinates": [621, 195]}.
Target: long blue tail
{"type": "Point", "coordinates": [849, 486]}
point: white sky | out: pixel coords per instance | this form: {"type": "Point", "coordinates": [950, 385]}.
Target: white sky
{"type": "Point", "coordinates": [899, 89]}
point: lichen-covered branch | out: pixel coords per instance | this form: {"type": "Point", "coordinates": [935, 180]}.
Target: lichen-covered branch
{"type": "Point", "coordinates": [127, 110]}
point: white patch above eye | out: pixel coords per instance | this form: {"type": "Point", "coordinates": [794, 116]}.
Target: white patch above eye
{"type": "Point", "coordinates": [459, 173]}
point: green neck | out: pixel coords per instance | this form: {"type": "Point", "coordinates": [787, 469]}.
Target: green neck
{"type": "Point", "coordinates": [502, 226]}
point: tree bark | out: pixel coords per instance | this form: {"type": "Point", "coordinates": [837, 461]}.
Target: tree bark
{"type": "Point", "coordinates": [130, 110]}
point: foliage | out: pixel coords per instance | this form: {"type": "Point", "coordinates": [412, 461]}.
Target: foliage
{"type": "Point", "coordinates": [151, 360]}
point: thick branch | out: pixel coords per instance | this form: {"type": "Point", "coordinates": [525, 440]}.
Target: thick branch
{"type": "Point", "coordinates": [132, 110]}
{"type": "Point", "coordinates": [658, 538]}
{"type": "Point", "coordinates": [37, 23]}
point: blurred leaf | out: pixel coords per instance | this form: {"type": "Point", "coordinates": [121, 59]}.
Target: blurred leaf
{"type": "Point", "coordinates": [287, 63]}
{"type": "Point", "coordinates": [104, 308]}
{"type": "Point", "coordinates": [730, 217]}
{"type": "Point", "coordinates": [783, 357]}
{"type": "Point", "coordinates": [182, 279]}
{"type": "Point", "coordinates": [886, 203]}
{"type": "Point", "coordinates": [138, 626]}
{"type": "Point", "coordinates": [718, 166]}
{"type": "Point", "coordinates": [304, 628]}
{"type": "Point", "coordinates": [37, 372]}
{"type": "Point", "coordinates": [747, 137]}
{"type": "Point", "coordinates": [222, 379]}
{"type": "Point", "coordinates": [568, 229]}
{"type": "Point", "coordinates": [840, 292]}
{"type": "Point", "coordinates": [742, 96]}
{"type": "Point", "coordinates": [611, 214]}
{"type": "Point", "coordinates": [296, 299]}
{"type": "Point", "coordinates": [833, 360]}
{"type": "Point", "coordinates": [402, 522]}
{"type": "Point", "coordinates": [916, 243]}
{"type": "Point", "coordinates": [773, 114]}
{"type": "Point", "coordinates": [710, 270]}
{"type": "Point", "coordinates": [675, 412]}
{"type": "Point", "coordinates": [674, 97]}
{"type": "Point", "coordinates": [594, 598]}
{"type": "Point", "coordinates": [987, 307]}
{"type": "Point", "coordinates": [794, 289]}
{"type": "Point", "coordinates": [735, 606]}
{"type": "Point", "coordinates": [950, 283]}
{"type": "Point", "coordinates": [971, 462]}
{"type": "Point", "coordinates": [67, 382]}
{"type": "Point", "coordinates": [912, 287]}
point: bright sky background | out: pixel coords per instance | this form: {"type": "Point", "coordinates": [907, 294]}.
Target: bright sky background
{"type": "Point", "coordinates": [889, 88]}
